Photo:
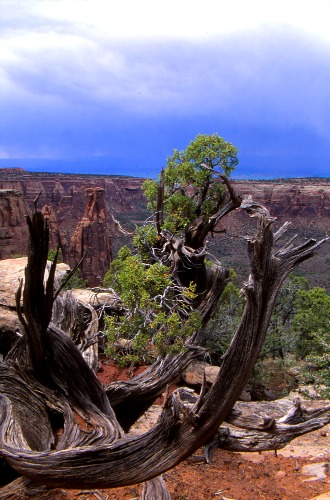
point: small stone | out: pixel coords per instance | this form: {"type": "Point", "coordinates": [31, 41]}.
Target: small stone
{"type": "Point", "coordinates": [316, 471]}
{"type": "Point", "coordinates": [280, 474]}
{"type": "Point", "coordinates": [324, 496]}
{"type": "Point", "coordinates": [254, 457]}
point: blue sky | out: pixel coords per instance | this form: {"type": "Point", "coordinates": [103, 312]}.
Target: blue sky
{"type": "Point", "coordinates": [113, 86]}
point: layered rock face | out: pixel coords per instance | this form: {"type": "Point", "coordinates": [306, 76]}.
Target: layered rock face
{"type": "Point", "coordinates": [91, 239]}
{"type": "Point", "coordinates": [13, 228]}
{"type": "Point", "coordinates": [75, 226]}
{"type": "Point", "coordinates": [84, 220]}
{"type": "Point", "coordinates": [305, 203]}
{"type": "Point", "coordinates": [11, 271]}
{"type": "Point", "coordinates": [66, 192]}
{"type": "Point", "coordinates": [299, 200]}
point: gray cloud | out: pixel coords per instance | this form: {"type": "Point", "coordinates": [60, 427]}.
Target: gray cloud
{"type": "Point", "coordinates": [66, 86]}
{"type": "Point", "coordinates": [265, 74]}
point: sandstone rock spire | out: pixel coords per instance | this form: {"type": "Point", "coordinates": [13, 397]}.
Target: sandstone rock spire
{"type": "Point", "coordinates": [92, 236]}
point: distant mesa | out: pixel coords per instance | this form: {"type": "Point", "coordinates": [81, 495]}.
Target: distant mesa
{"type": "Point", "coordinates": [86, 212]}
{"type": "Point", "coordinates": [13, 170]}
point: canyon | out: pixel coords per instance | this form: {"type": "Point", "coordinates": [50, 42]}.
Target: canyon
{"type": "Point", "coordinates": [91, 216]}
{"type": "Point", "coordinates": [81, 211]}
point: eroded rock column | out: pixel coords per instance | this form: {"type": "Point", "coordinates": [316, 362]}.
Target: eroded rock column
{"type": "Point", "coordinates": [92, 236]}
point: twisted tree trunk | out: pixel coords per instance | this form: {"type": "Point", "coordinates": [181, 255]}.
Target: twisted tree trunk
{"type": "Point", "coordinates": [60, 428]}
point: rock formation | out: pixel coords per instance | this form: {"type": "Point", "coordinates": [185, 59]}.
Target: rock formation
{"type": "Point", "coordinates": [57, 236]}
{"type": "Point", "coordinates": [77, 312]}
{"type": "Point", "coordinates": [11, 271]}
{"type": "Point", "coordinates": [91, 240]}
{"type": "Point", "coordinates": [63, 201]}
{"type": "Point", "coordinates": [13, 228]}
{"type": "Point", "coordinates": [304, 202]}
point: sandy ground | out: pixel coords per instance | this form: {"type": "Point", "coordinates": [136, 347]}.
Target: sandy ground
{"type": "Point", "coordinates": [298, 472]}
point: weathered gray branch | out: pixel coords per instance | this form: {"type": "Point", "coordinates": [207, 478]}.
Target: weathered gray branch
{"type": "Point", "coordinates": [155, 489]}
{"type": "Point", "coordinates": [277, 433]}
{"type": "Point", "coordinates": [93, 451]}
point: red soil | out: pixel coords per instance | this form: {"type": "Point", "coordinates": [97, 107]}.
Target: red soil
{"type": "Point", "coordinates": [239, 476]}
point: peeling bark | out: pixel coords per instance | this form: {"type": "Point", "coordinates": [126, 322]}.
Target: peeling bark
{"type": "Point", "coordinates": [23, 488]}
{"type": "Point", "coordinates": [265, 432]}
{"type": "Point", "coordinates": [80, 322]}
{"type": "Point", "coordinates": [155, 488]}
{"type": "Point", "coordinates": [79, 441]}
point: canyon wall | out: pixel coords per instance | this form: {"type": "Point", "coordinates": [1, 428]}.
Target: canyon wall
{"type": "Point", "coordinates": [91, 241]}
{"type": "Point", "coordinates": [82, 211]}
{"type": "Point", "coordinates": [13, 228]}
{"type": "Point", "coordinates": [86, 213]}
{"type": "Point", "coordinates": [302, 200]}
{"type": "Point", "coordinates": [305, 203]}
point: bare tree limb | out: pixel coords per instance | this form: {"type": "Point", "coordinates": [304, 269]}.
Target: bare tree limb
{"type": "Point", "coordinates": [94, 451]}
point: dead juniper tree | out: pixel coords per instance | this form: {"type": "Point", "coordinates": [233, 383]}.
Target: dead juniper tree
{"type": "Point", "coordinates": [60, 428]}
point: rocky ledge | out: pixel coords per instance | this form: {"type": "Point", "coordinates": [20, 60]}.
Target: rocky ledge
{"type": "Point", "coordinates": [92, 215]}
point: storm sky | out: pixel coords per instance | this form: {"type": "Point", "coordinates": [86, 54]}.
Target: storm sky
{"type": "Point", "coordinates": [113, 86]}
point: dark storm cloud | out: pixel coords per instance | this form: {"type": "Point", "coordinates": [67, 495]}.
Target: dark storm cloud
{"type": "Point", "coordinates": [69, 90]}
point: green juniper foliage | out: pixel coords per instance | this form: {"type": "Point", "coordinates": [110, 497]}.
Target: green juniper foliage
{"type": "Point", "coordinates": [311, 324]}
{"type": "Point", "coordinates": [299, 330]}
{"type": "Point", "coordinates": [159, 312]}
{"type": "Point", "coordinates": [51, 255]}
{"type": "Point", "coordinates": [191, 180]}
{"type": "Point", "coordinates": [281, 338]}
{"type": "Point", "coordinates": [158, 316]}
{"type": "Point", "coordinates": [222, 326]}
{"type": "Point", "coordinates": [76, 281]}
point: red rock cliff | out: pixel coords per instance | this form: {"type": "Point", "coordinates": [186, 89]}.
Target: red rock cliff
{"type": "Point", "coordinates": [91, 239]}
{"type": "Point", "coordinates": [304, 202]}
{"type": "Point", "coordinates": [13, 228]}
{"type": "Point", "coordinates": [299, 199]}
{"type": "Point", "coordinates": [63, 201]}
